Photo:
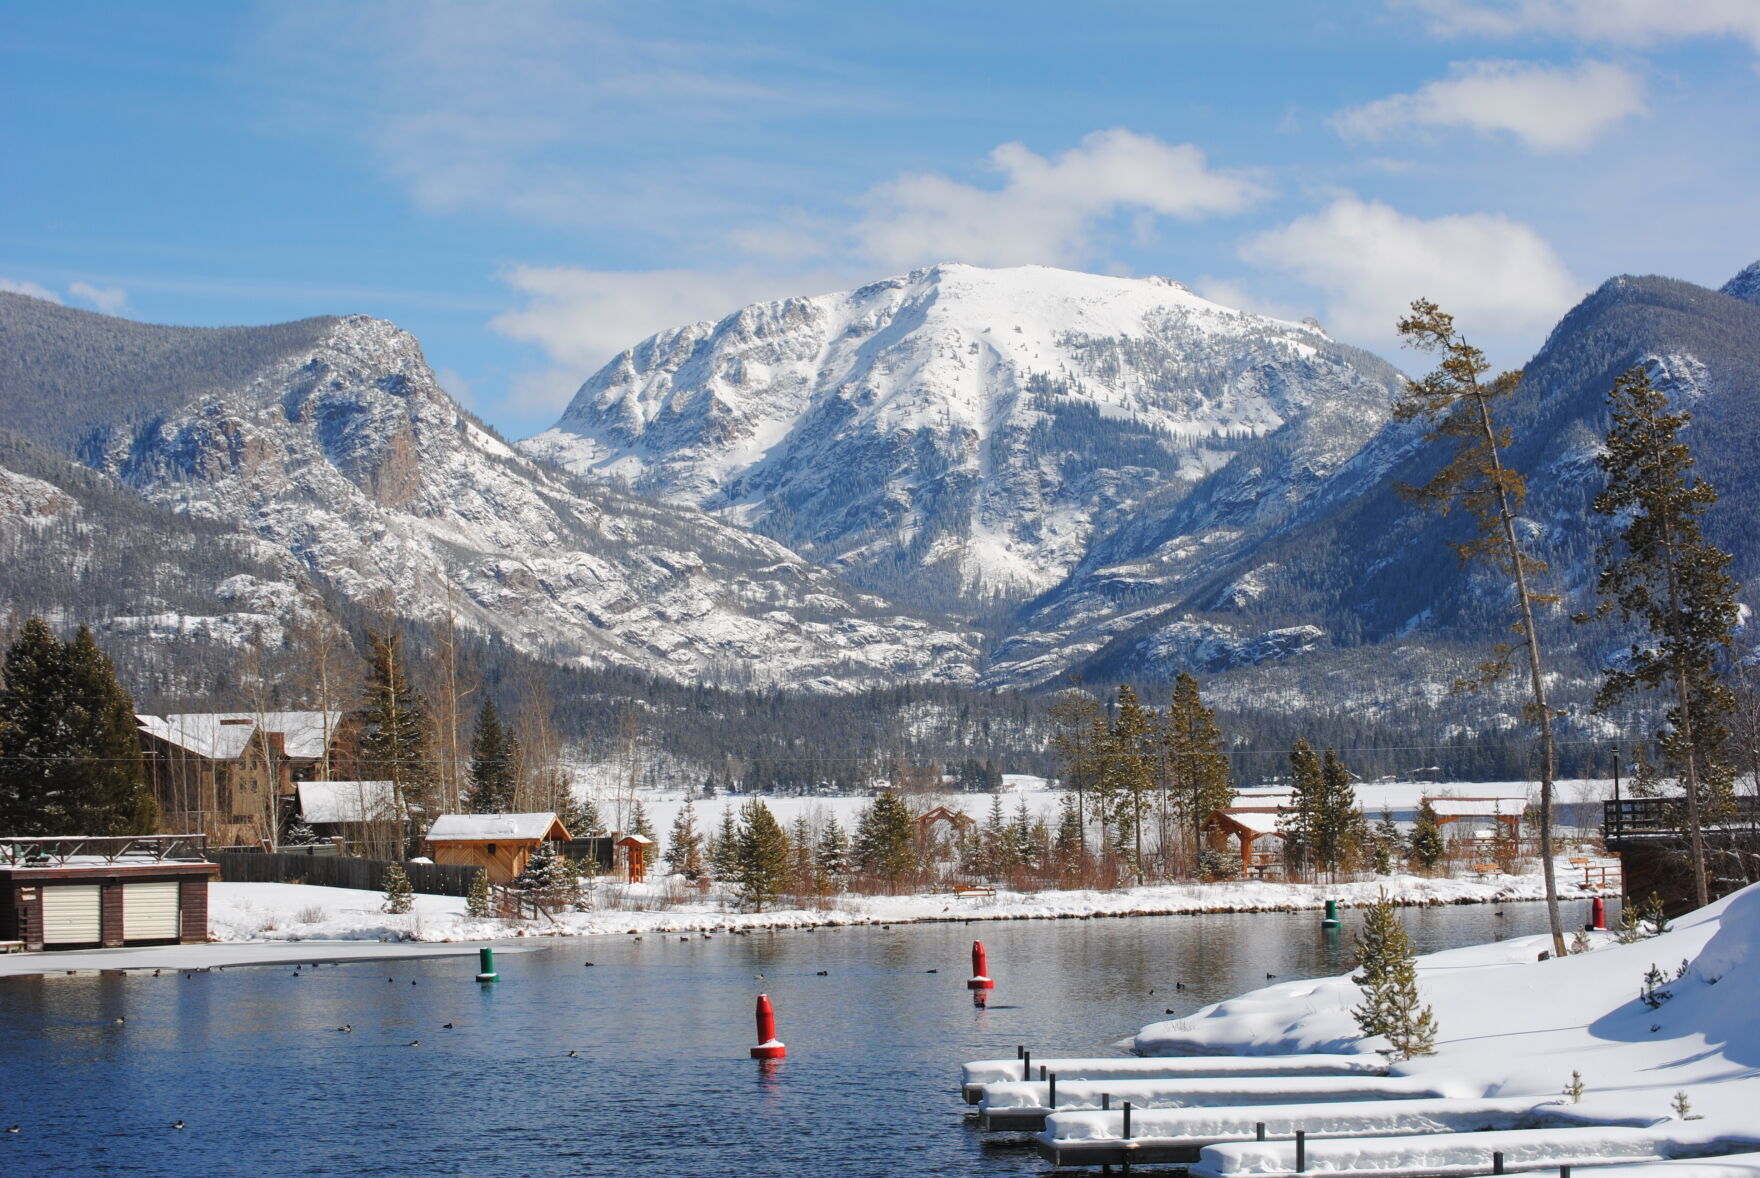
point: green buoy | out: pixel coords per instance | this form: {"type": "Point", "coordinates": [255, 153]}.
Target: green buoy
{"type": "Point", "coordinates": [487, 956]}
{"type": "Point", "coordinates": [1331, 919]}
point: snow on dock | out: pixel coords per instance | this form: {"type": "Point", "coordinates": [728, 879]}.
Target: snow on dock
{"type": "Point", "coordinates": [1445, 1154]}
{"type": "Point", "coordinates": [975, 1075]}
{"type": "Point", "coordinates": [1162, 1136]}
{"type": "Point", "coordinates": [1023, 1106]}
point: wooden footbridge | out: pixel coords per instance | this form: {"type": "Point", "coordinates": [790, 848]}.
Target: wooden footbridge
{"type": "Point", "coordinates": [1649, 835]}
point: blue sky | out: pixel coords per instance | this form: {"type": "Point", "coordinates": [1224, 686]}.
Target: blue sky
{"type": "Point", "coordinates": [530, 187]}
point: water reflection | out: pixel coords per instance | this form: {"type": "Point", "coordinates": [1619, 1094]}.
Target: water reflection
{"type": "Point", "coordinates": [251, 1061]}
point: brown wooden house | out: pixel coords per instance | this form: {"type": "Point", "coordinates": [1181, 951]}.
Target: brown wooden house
{"type": "Point", "coordinates": [89, 893]}
{"type": "Point", "coordinates": [501, 844]}
{"type": "Point", "coordinates": [230, 775]}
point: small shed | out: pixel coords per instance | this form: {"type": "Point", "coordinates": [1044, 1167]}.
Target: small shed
{"type": "Point", "coordinates": [89, 893]}
{"type": "Point", "coordinates": [635, 855]}
{"type": "Point", "coordinates": [1248, 824]}
{"type": "Point", "coordinates": [500, 844]}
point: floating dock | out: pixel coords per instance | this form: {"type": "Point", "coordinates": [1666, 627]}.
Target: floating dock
{"type": "Point", "coordinates": [975, 1075]}
{"type": "Point", "coordinates": [1023, 1107]}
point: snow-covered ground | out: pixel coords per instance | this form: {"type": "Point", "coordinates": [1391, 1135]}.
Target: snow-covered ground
{"type": "Point", "coordinates": [1515, 1027]}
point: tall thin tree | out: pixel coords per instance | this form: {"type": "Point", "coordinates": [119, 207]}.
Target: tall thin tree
{"type": "Point", "coordinates": [1456, 404]}
{"type": "Point", "coordinates": [1661, 571]}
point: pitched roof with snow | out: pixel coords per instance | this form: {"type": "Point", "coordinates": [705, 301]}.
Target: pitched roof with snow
{"type": "Point", "coordinates": [1255, 819]}
{"type": "Point", "coordinates": [223, 736]}
{"type": "Point", "coordinates": [347, 801]}
{"type": "Point", "coordinates": [477, 828]}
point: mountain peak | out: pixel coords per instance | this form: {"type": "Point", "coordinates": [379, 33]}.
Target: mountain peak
{"type": "Point", "coordinates": [1745, 285]}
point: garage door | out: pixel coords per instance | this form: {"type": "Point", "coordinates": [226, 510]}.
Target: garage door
{"type": "Point", "coordinates": [70, 914]}
{"type": "Point", "coordinates": [149, 911]}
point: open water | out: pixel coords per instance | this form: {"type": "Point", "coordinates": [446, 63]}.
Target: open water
{"type": "Point", "coordinates": [249, 1058]}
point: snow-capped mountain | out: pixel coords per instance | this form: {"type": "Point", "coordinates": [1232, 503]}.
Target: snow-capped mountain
{"type": "Point", "coordinates": [346, 461]}
{"type": "Point", "coordinates": [958, 435]}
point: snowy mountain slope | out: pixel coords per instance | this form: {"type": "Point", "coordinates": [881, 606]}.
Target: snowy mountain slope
{"type": "Point", "coordinates": [347, 460]}
{"type": "Point", "coordinates": [1365, 567]}
{"type": "Point", "coordinates": [1745, 285]}
{"type": "Point", "coordinates": [959, 435]}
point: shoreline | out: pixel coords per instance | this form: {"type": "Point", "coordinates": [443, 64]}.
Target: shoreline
{"type": "Point", "coordinates": [249, 922]}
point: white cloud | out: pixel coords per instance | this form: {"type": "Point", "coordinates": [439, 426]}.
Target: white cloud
{"type": "Point", "coordinates": [1549, 108]}
{"type": "Point", "coordinates": [112, 300]}
{"type": "Point", "coordinates": [21, 286]}
{"type": "Point", "coordinates": [1046, 210]}
{"type": "Point", "coordinates": [581, 318]}
{"type": "Point", "coordinates": [1624, 22]}
{"type": "Point", "coordinates": [1499, 278]}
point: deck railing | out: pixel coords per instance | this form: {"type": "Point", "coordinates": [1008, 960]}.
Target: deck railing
{"type": "Point", "coordinates": [1662, 817]}
{"type": "Point", "coordinates": [55, 852]}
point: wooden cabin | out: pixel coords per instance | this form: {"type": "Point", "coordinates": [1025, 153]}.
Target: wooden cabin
{"type": "Point", "coordinates": [501, 844]}
{"type": "Point", "coordinates": [1247, 824]}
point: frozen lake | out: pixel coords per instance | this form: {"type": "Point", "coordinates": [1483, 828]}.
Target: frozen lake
{"type": "Point", "coordinates": [250, 1060]}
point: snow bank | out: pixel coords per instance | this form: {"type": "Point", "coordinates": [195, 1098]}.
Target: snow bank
{"type": "Point", "coordinates": [1511, 1026]}
{"type": "Point", "coordinates": [1206, 1091]}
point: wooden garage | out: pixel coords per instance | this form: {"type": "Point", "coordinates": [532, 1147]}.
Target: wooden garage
{"type": "Point", "coordinates": [90, 893]}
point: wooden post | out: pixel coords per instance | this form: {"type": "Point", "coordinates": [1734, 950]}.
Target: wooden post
{"type": "Point", "coordinates": [1258, 1130]}
{"type": "Point", "coordinates": [1127, 1120]}
{"type": "Point", "coordinates": [1301, 1150]}
{"type": "Point", "coordinates": [1105, 1101]}
{"type": "Point", "coordinates": [1026, 1065]}
{"type": "Point", "coordinates": [1051, 1096]}
{"type": "Point", "coordinates": [1497, 1161]}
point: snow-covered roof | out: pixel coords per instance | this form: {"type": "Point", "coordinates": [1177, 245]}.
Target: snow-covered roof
{"type": "Point", "coordinates": [222, 736]}
{"type": "Point", "coordinates": [1257, 819]}
{"type": "Point", "coordinates": [347, 801]}
{"type": "Point", "coordinates": [1478, 807]}
{"type": "Point", "coordinates": [476, 828]}
{"type": "Point", "coordinates": [642, 839]}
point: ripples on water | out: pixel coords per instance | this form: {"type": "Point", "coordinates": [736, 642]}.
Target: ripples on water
{"type": "Point", "coordinates": [249, 1058]}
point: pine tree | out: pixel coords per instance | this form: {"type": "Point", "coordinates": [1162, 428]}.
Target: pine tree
{"type": "Point", "coordinates": [1387, 844]}
{"type": "Point", "coordinates": [998, 853]}
{"type": "Point", "coordinates": [684, 846]}
{"type": "Point", "coordinates": [476, 900]}
{"type": "Point", "coordinates": [763, 856]}
{"type": "Point", "coordinates": [1197, 758]}
{"type": "Point", "coordinates": [885, 842]}
{"type": "Point", "coordinates": [1299, 823]}
{"type": "Point", "coordinates": [638, 821]}
{"type": "Point", "coordinates": [398, 742]}
{"type": "Point", "coordinates": [400, 894]}
{"type": "Point", "coordinates": [493, 774]}
{"type": "Point", "coordinates": [1427, 845]}
{"type": "Point", "coordinates": [1668, 576]}
{"type": "Point", "coordinates": [1457, 406]}
{"type": "Point", "coordinates": [832, 856]}
{"type": "Point", "coordinates": [804, 867]}
{"type": "Point", "coordinates": [551, 878]}
{"type": "Point", "coordinates": [1068, 845]}
{"type": "Point", "coordinates": [70, 754]}
{"type": "Point", "coordinates": [724, 855]}
{"type": "Point", "coordinates": [1390, 985]}
{"type": "Point", "coordinates": [1130, 766]}
{"type": "Point", "coordinates": [583, 819]}
{"type": "Point", "coordinates": [299, 833]}
{"type": "Point", "coordinates": [1339, 829]}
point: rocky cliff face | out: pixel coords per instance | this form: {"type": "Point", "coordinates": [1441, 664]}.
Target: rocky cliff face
{"type": "Point", "coordinates": [960, 435]}
{"type": "Point", "coordinates": [347, 460]}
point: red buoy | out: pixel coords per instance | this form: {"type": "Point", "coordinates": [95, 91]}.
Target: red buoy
{"type": "Point", "coordinates": [769, 1047]}
{"type": "Point", "coordinates": [1598, 914]}
{"type": "Point", "coordinates": [980, 979]}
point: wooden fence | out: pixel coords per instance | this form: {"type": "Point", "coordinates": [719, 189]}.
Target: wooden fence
{"type": "Point", "coordinates": [365, 875]}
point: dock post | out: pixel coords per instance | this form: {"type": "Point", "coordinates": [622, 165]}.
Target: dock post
{"type": "Point", "coordinates": [1564, 1172]}
{"type": "Point", "coordinates": [1497, 1161]}
{"type": "Point", "coordinates": [486, 965]}
{"type": "Point", "coordinates": [1027, 1065]}
{"type": "Point", "coordinates": [1105, 1101]}
{"type": "Point", "coordinates": [1301, 1150]}
{"type": "Point", "coordinates": [1127, 1120]}
{"type": "Point", "coordinates": [1258, 1130]}
{"type": "Point", "coordinates": [1020, 1050]}
{"type": "Point", "coordinates": [1041, 1071]}
{"type": "Point", "coordinates": [1051, 1096]}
